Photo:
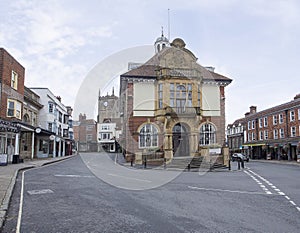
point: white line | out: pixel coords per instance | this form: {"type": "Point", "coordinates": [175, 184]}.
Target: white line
{"type": "Point", "coordinates": [230, 191]}
{"type": "Point", "coordinates": [293, 203]}
{"type": "Point", "coordinates": [272, 186]}
{"type": "Point", "coordinates": [76, 176]}
{"type": "Point", "coordinates": [129, 178]}
{"type": "Point", "coordinates": [21, 204]}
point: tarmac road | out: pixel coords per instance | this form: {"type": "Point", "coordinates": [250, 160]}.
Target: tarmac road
{"type": "Point", "coordinates": [71, 196]}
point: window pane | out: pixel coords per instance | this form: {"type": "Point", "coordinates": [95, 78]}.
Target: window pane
{"type": "Point", "coordinates": [148, 136]}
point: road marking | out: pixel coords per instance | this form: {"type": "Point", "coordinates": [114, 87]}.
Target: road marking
{"type": "Point", "coordinates": [129, 178]}
{"type": "Point", "coordinates": [271, 185]}
{"type": "Point", "coordinates": [267, 191]}
{"type": "Point", "coordinates": [293, 203]}
{"type": "Point", "coordinates": [230, 191]}
{"type": "Point", "coordinates": [41, 191]}
{"type": "Point", "coordinates": [20, 205]}
{"type": "Point", "coordinates": [18, 227]}
{"type": "Point", "coordinates": [76, 176]}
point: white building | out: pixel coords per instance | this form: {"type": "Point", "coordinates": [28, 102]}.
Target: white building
{"type": "Point", "coordinates": [54, 117]}
{"type": "Point", "coordinates": [108, 136]}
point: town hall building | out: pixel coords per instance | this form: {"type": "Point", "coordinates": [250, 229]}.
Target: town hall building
{"type": "Point", "coordinates": [172, 104]}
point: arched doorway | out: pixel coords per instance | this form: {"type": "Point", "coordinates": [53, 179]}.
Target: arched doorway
{"type": "Point", "coordinates": [180, 141]}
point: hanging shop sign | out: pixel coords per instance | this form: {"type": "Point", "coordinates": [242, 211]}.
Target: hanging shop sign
{"type": "Point", "coordinates": [6, 126]}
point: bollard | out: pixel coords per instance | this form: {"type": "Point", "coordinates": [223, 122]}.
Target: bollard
{"type": "Point", "coordinates": [145, 163]}
{"type": "Point", "coordinates": [189, 167]}
{"type": "Point", "coordinates": [242, 163]}
{"type": "Point", "coordinates": [229, 165]}
{"type": "Point", "coordinates": [239, 164]}
{"type": "Point", "coordinates": [131, 162]}
{"type": "Point", "coordinates": [165, 163]}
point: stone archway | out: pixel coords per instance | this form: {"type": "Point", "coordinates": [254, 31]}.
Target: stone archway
{"type": "Point", "coordinates": [180, 140]}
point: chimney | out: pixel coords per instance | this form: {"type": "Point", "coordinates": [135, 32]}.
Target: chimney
{"type": "Point", "coordinates": [252, 109]}
{"type": "Point", "coordinates": [297, 97]}
{"type": "Point", "coordinates": [82, 117]}
{"type": "Point", "coordinates": [59, 98]}
{"type": "Point", "coordinates": [210, 68]}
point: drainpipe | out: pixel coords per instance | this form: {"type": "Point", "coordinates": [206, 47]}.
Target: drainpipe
{"type": "Point", "coordinates": [287, 134]}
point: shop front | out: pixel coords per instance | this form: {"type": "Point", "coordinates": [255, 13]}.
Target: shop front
{"type": "Point", "coordinates": [9, 141]}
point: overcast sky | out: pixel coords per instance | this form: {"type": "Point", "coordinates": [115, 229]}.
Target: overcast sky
{"type": "Point", "coordinates": [254, 42]}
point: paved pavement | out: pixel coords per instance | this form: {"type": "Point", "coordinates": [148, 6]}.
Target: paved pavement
{"type": "Point", "coordinates": [8, 175]}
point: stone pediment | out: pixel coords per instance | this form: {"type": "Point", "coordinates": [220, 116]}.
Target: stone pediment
{"type": "Point", "coordinates": [177, 58]}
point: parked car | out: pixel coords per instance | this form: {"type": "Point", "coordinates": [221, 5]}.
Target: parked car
{"type": "Point", "coordinates": [239, 156]}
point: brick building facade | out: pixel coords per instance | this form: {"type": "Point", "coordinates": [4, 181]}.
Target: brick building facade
{"type": "Point", "coordinates": [11, 102]}
{"type": "Point", "coordinates": [235, 136]}
{"type": "Point", "coordinates": [272, 133]}
{"type": "Point", "coordinates": [12, 75]}
{"type": "Point", "coordinates": [173, 105]}
{"type": "Point", "coordinates": [275, 132]}
{"type": "Point", "coordinates": [85, 134]}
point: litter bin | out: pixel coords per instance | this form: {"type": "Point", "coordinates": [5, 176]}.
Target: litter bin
{"type": "Point", "coordinates": [16, 159]}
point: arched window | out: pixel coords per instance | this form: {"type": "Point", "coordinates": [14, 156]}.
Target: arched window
{"type": "Point", "coordinates": [158, 47]}
{"type": "Point", "coordinates": [207, 134]}
{"type": "Point", "coordinates": [26, 118]}
{"type": "Point", "coordinates": [148, 136]}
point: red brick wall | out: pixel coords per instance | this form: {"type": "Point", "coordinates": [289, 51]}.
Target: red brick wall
{"type": "Point", "coordinates": [7, 65]}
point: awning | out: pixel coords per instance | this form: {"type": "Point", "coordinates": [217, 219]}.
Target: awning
{"type": "Point", "coordinates": [253, 144]}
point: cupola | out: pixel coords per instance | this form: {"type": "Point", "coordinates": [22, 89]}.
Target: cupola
{"type": "Point", "coordinates": [161, 42]}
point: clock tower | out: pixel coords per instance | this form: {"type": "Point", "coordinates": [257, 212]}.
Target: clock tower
{"type": "Point", "coordinates": [108, 108]}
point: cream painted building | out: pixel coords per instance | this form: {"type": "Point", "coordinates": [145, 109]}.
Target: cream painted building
{"type": "Point", "coordinates": [173, 105]}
